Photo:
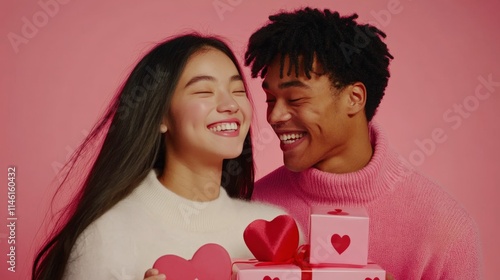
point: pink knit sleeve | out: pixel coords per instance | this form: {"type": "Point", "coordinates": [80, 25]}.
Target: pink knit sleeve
{"type": "Point", "coordinates": [464, 257]}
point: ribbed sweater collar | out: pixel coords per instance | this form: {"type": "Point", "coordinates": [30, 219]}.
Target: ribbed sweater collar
{"type": "Point", "coordinates": [177, 211]}
{"type": "Point", "coordinates": [380, 175]}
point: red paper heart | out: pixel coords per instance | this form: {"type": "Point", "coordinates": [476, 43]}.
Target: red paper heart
{"type": "Point", "coordinates": [210, 262]}
{"type": "Point", "coordinates": [340, 244]}
{"type": "Point", "coordinates": [272, 241]}
{"type": "Point", "coordinates": [269, 278]}
{"type": "Point", "coordinates": [368, 278]}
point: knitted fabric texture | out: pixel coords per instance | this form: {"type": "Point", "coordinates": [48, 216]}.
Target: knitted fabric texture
{"type": "Point", "coordinates": [417, 230]}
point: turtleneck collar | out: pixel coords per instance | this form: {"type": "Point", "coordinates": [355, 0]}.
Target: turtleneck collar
{"type": "Point", "coordinates": [181, 212]}
{"type": "Point", "coordinates": [380, 175]}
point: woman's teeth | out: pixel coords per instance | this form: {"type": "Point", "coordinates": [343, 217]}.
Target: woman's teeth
{"type": "Point", "coordinates": [224, 127]}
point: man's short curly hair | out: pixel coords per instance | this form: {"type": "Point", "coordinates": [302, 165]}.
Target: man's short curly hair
{"type": "Point", "coordinates": [347, 51]}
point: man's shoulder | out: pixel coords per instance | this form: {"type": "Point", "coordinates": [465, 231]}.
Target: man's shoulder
{"type": "Point", "coordinates": [431, 195]}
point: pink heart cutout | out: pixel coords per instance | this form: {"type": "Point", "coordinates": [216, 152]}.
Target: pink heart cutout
{"type": "Point", "coordinates": [210, 262]}
{"type": "Point", "coordinates": [269, 278]}
{"type": "Point", "coordinates": [340, 244]}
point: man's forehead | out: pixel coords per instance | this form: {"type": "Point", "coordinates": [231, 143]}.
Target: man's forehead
{"type": "Point", "coordinates": [288, 75]}
{"type": "Point", "coordinates": [290, 67]}
{"type": "Point", "coordinates": [282, 84]}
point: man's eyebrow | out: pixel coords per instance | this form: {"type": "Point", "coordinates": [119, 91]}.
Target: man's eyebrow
{"type": "Point", "coordinates": [285, 85]}
{"type": "Point", "coordinates": [211, 79]}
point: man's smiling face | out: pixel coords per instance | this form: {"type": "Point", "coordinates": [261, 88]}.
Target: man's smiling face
{"type": "Point", "coordinates": [309, 116]}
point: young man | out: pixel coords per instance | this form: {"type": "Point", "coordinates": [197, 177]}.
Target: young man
{"type": "Point", "coordinates": [324, 77]}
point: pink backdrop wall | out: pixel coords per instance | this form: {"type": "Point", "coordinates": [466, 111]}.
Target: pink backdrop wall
{"type": "Point", "coordinates": [62, 60]}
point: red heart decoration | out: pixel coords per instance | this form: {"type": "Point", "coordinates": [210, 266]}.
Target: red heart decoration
{"type": "Point", "coordinates": [368, 278]}
{"type": "Point", "coordinates": [269, 278]}
{"type": "Point", "coordinates": [210, 262]}
{"type": "Point", "coordinates": [273, 241]}
{"type": "Point", "coordinates": [338, 212]}
{"type": "Point", "coordinates": [340, 244]}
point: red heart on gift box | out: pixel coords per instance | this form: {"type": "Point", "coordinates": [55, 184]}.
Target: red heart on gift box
{"type": "Point", "coordinates": [340, 244]}
{"type": "Point", "coordinates": [210, 262]}
{"type": "Point", "coordinates": [272, 241]}
{"type": "Point", "coordinates": [338, 212]}
{"type": "Point", "coordinates": [368, 278]}
{"type": "Point", "coordinates": [269, 278]}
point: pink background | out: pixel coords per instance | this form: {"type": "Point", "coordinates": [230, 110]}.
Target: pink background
{"type": "Point", "coordinates": [57, 81]}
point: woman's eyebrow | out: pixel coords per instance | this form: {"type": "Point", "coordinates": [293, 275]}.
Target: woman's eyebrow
{"type": "Point", "coordinates": [196, 79]}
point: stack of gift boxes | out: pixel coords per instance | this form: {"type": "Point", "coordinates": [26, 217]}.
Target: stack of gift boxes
{"type": "Point", "coordinates": [338, 240]}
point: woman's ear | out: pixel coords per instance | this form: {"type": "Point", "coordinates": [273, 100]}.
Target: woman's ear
{"type": "Point", "coordinates": [356, 98]}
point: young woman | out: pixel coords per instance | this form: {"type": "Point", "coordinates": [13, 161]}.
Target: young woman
{"type": "Point", "coordinates": [173, 171]}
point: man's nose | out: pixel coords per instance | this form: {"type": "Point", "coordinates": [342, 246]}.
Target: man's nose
{"type": "Point", "coordinates": [278, 113]}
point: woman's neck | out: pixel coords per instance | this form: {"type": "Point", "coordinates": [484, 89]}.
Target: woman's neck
{"type": "Point", "coordinates": [197, 182]}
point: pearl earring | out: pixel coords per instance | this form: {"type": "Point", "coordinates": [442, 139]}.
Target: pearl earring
{"type": "Point", "coordinates": [163, 128]}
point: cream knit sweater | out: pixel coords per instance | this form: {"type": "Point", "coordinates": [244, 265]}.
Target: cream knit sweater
{"type": "Point", "coordinates": [153, 221]}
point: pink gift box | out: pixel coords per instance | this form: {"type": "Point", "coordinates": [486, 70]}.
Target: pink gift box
{"type": "Point", "coordinates": [338, 235]}
{"type": "Point", "coordinates": [246, 271]}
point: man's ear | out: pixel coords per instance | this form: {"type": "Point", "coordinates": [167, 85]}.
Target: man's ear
{"type": "Point", "coordinates": [356, 98]}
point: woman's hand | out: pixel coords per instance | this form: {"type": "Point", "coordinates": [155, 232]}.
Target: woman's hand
{"type": "Point", "coordinates": [153, 274]}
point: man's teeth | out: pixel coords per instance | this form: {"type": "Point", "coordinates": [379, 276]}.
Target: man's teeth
{"type": "Point", "coordinates": [224, 127]}
{"type": "Point", "coordinates": [290, 138]}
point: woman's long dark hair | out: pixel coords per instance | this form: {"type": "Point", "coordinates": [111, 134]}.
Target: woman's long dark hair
{"type": "Point", "coordinates": [132, 146]}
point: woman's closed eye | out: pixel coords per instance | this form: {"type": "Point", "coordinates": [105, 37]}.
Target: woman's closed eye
{"type": "Point", "coordinates": [240, 92]}
{"type": "Point", "coordinates": [203, 92]}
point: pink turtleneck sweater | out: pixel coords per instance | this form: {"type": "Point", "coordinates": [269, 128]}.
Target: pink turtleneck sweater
{"type": "Point", "coordinates": [417, 230]}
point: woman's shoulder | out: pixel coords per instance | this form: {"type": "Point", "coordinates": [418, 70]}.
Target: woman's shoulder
{"type": "Point", "coordinates": [123, 222]}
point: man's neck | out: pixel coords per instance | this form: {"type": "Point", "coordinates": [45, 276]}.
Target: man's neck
{"type": "Point", "coordinates": [353, 157]}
